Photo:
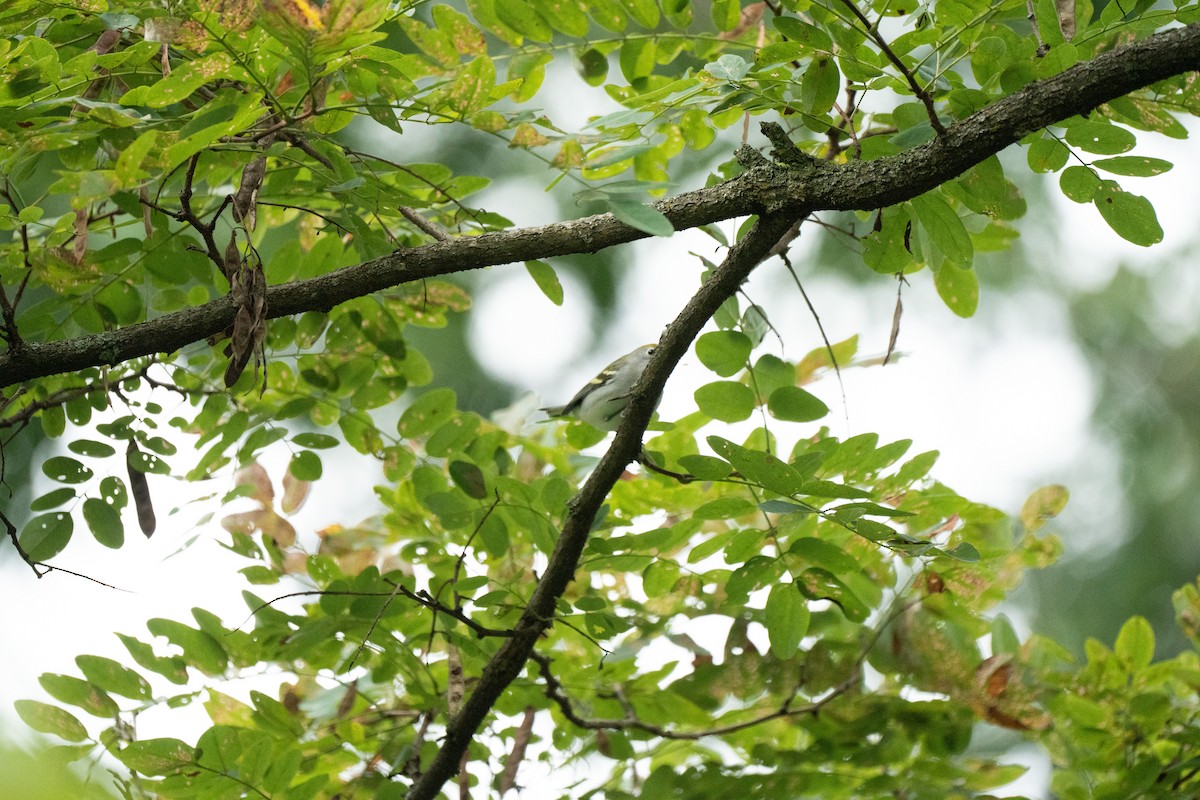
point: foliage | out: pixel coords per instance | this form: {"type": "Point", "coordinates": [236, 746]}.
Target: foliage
{"type": "Point", "coordinates": [769, 611]}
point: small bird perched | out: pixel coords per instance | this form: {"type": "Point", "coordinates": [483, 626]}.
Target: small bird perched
{"type": "Point", "coordinates": [605, 396]}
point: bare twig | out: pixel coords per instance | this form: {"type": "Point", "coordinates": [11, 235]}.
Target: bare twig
{"type": "Point", "coordinates": [923, 95]}
{"type": "Point", "coordinates": [12, 534]}
{"type": "Point", "coordinates": [554, 691]}
{"type": "Point", "coordinates": [422, 597]}
{"type": "Point", "coordinates": [896, 315]}
{"type": "Point", "coordinates": [520, 741]}
{"type": "Point", "coordinates": [429, 226]}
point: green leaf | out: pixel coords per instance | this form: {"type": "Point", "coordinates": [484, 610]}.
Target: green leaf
{"type": "Point", "coordinates": [524, 19]}
{"type": "Point", "coordinates": [199, 649]}
{"type": "Point", "coordinates": [546, 279]}
{"type": "Point", "coordinates": [112, 676]}
{"type": "Point", "coordinates": [821, 584]}
{"type": "Point", "coordinates": [1138, 166]}
{"type": "Point", "coordinates": [87, 447]}
{"type": "Point", "coordinates": [727, 401]}
{"type": "Point", "coordinates": [66, 470]}
{"type": "Point", "coordinates": [803, 33]}
{"type": "Point", "coordinates": [68, 689]}
{"type": "Point", "coordinates": [430, 411]}
{"type": "Point", "coordinates": [705, 468]}
{"type": "Point", "coordinates": [958, 288]}
{"type": "Point", "coordinates": [786, 617]}
{"type": "Point", "coordinates": [1048, 155]}
{"type": "Point", "coordinates": [725, 14]}
{"type": "Point", "coordinates": [306, 466]}
{"type": "Point", "coordinates": [157, 756]}
{"type": "Point", "coordinates": [113, 490]}
{"type": "Point", "coordinates": [45, 536]}
{"type": "Point", "coordinates": [820, 86]}
{"type": "Point", "coordinates": [316, 441]}
{"type": "Point", "coordinates": [728, 67]}
{"type": "Point", "coordinates": [660, 578]}
{"type": "Point", "coordinates": [1044, 504]}
{"type": "Point", "coordinates": [762, 468]}
{"type": "Point", "coordinates": [1079, 183]}
{"type": "Point", "coordinates": [469, 478]}
{"type": "Point", "coordinates": [724, 352]}
{"type": "Point", "coordinates": [755, 323]}
{"type": "Point", "coordinates": [641, 216]}
{"type": "Point", "coordinates": [1004, 638]}
{"type": "Point", "coordinates": [724, 508]}
{"type": "Point", "coordinates": [1130, 215]}
{"type": "Point", "coordinates": [1100, 137]}
{"type": "Point", "coordinates": [172, 668]}
{"type": "Point", "coordinates": [184, 80]}
{"type": "Point", "coordinates": [637, 58]}
{"type": "Point", "coordinates": [53, 499]}
{"type": "Point", "coordinates": [946, 231]}
{"type": "Point", "coordinates": [592, 66]}
{"type": "Point", "coordinates": [104, 522]}
{"type": "Point", "coordinates": [45, 718]}
{"type": "Point", "coordinates": [1135, 644]}
{"type": "Point", "coordinates": [793, 404]}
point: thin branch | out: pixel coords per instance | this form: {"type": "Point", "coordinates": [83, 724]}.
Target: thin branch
{"type": "Point", "coordinates": [509, 661]}
{"type": "Point", "coordinates": [763, 188]}
{"type": "Point", "coordinates": [837, 369]}
{"type": "Point", "coordinates": [554, 691]}
{"type": "Point", "coordinates": [46, 569]}
{"type": "Point", "coordinates": [429, 226]}
{"type": "Point", "coordinates": [509, 779]}
{"type": "Point", "coordinates": [422, 597]}
{"type": "Point", "coordinates": [12, 534]}
{"type": "Point", "coordinates": [1031, 15]}
{"type": "Point", "coordinates": [873, 31]}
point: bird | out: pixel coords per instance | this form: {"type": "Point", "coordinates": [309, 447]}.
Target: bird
{"type": "Point", "coordinates": [602, 400]}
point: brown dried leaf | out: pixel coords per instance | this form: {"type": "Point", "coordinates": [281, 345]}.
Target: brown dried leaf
{"type": "Point", "coordinates": [278, 528]}
{"type": "Point", "coordinates": [248, 285]}
{"type": "Point", "coordinates": [1066, 18]}
{"type": "Point", "coordinates": [81, 235]}
{"type": "Point", "coordinates": [245, 202]}
{"type": "Point", "coordinates": [295, 492]}
{"type": "Point", "coordinates": [255, 476]}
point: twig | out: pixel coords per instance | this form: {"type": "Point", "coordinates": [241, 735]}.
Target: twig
{"type": "Point", "coordinates": [429, 226]}
{"type": "Point", "coordinates": [12, 534]}
{"type": "Point", "coordinates": [873, 32]}
{"type": "Point", "coordinates": [647, 462]}
{"type": "Point", "coordinates": [46, 569]}
{"type": "Point", "coordinates": [509, 779]}
{"type": "Point", "coordinates": [1042, 47]}
{"type": "Point", "coordinates": [306, 210]}
{"type": "Point", "coordinates": [899, 312]}
{"type": "Point", "coordinates": [554, 691]}
{"type": "Point", "coordinates": [820, 327]}
{"type": "Point", "coordinates": [422, 597]}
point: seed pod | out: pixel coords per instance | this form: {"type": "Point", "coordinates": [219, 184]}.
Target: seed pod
{"type": "Point", "coordinates": [140, 489]}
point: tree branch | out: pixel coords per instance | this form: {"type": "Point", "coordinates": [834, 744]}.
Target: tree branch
{"type": "Point", "coordinates": [510, 659]}
{"type": "Point", "coordinates": [859, 185]}
{"type": "Point", "coordinates": [763, 189]}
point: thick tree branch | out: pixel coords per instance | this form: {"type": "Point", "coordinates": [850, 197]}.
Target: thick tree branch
{"type": "Point", "coordinates": [510, 659]}
{"type": "Point", "coordinates": [762, 189]}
